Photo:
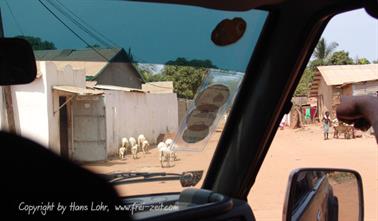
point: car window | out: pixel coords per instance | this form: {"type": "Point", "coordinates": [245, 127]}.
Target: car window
{"type": "Point", "coordinates": [344, 62]}
{"type": "Point", "coordinates": [129, 87]}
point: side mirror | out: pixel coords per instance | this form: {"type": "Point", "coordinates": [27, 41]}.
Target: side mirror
{"type": "Point", "coordinates": [324, 194]}
{"type": "Point", "coordinates": [17, 62]}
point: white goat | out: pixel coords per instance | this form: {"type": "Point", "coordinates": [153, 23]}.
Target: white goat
{"type": "Point", "coordinates": [169, 143]}
{"type": "Point", "coordinates": [145, 146]}
{"type": "Point", "coordinates": [134, 147]}
{"type": "Point", "coordinates": [123, 149]}
{"type": "Point", "coordinates": [134, 151]}
{"type": "Point", "coordinates": [125, 142]}
{"type": "Point", "coordinates": [141, 139]}
{"type": "Point", "coordinates": [165, 154]}
{"type": "Point", "coordinates": [132, 141]}
{"type": "Point", "coordinates": [122, 152]}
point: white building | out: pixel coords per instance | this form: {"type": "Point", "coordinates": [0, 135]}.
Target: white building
{"type": "Point", "coordinates": [57, 110]}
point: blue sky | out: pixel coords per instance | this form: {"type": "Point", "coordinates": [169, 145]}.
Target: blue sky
{"type": "Point", "coordinates": [356, 32]}
{"type": "Point", "coordinates": [156, 33]}
{"type": "Point", "coordinates": [155, 30]}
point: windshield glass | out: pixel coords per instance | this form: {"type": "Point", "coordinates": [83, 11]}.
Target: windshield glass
{"type": "Point", "coordinates": [129, 86]}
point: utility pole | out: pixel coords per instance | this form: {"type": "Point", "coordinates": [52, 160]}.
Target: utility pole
{"type": "Point", "coordinates": [7, 95]}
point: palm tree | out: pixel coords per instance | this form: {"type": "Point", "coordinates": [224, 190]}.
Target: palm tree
{"type": "Point", "coordinates": [323, 51]}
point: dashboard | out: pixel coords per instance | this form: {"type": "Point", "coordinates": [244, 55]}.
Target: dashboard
{"type": "Point", "coordinates": [190, 204]}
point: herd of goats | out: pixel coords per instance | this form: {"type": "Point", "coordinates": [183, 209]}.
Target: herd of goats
{"type": "Point", "coordinates": [134, 146]}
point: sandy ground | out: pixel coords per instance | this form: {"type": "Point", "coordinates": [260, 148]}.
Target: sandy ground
{"type": "Point", "coordinates": [347, 195]}
{"type": "Point", "coordinates": [290, 149]}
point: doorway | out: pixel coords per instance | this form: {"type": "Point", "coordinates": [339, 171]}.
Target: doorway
{"type": "Point", "coordinates": [63, 126]}
{"type": "Point", "coordinates": [89, 129]}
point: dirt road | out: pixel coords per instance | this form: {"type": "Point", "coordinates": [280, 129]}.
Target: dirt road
{"type": "Point", "coordinates": [290, 149]}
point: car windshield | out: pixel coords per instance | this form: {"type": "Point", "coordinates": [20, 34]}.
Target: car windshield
{"type": "Point", "coordinates": [130, 86]}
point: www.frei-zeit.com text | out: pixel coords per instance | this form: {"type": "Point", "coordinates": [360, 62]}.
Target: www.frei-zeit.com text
{"type": "Point", "coordinates": [44, 208]}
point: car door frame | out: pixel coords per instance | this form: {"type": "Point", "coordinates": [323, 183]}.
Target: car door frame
{"type": "Point", "coordinates": [289, 36]}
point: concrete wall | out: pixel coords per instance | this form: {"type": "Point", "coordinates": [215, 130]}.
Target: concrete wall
{"type": "Point", "coordinates": [130, 114]}
{"type": "Point", "coordinates": [34, 104]}
{"type": "Point", "coordinates": [30, 110]}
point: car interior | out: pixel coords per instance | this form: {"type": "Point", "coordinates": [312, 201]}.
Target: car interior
{"type": "Point", "coordinates": [289, 34]}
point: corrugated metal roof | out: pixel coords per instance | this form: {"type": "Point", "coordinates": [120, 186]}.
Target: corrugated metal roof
{"type": "Point", "coordinates": [78, 90]}
{"type": "Point", "coordinates": [93, 62]}
{"type": "Point", "coordinates": [118, 88]}
{"type": "Point", "coordinates": [158, 87]}
{"type": "Point", "coordinates": [100, 54]}
{"type": "Point", "coordinates": [343, 74]}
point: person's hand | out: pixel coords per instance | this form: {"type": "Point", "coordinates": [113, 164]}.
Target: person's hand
{"type": "Point", "coordinates": [362, 111]}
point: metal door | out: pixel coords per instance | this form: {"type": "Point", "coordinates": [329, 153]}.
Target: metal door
{"type": "Point", "coordinates": [89, 129]}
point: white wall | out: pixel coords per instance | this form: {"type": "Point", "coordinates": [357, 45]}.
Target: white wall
{"type": "Point", "coordinates": [130, 114]}
{"type": "Point", "coordinates": [30, 111]}
{"type": "Point", "coordinates": [34, 104]}
{"type": "Point", "coordinates": [67, 77]}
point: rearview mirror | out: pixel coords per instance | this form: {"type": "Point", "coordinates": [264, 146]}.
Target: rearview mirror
{"type": "Point", "coordinates": [190, 178]}
{"type": "Point", "coordinates": [324, 194]}
{"type": "Point", "coordinates": [17, 62]}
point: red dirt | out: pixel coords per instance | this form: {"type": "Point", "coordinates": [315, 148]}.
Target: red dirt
{"type": "Point", "coordinates": [290, 149]}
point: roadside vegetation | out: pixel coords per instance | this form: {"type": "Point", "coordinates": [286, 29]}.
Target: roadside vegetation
{"type": "Point", "coordinates": [325, 54]}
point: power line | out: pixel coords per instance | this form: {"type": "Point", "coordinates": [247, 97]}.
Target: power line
{"type": "Point", "coordinates": [14, 17]}
{"type": "Point", "coordinates": [70, 29]}
{"type": "Point", "coordinates": [78, 24]}
{"type": "Point", "coordinates": [83, 28]}
{"type": "Point", "coordinates": [88, 25]}
{"type": "Point", "coordinates": [91, 31]}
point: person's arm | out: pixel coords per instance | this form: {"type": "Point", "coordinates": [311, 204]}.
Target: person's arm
{"type": "Point", "coordinates": [362, 111]}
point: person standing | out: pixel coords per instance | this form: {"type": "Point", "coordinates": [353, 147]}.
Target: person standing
{"type": "Point", "coordinates": [326, 124]}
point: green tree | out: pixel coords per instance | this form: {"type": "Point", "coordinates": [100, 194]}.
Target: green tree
{"type": "Point", "coordinates": [340, 58]}
{"type": "Point", "coordinates": [362, 61]}
{"type": "Point", "coordinates": [322, 53]}
{"type": "Point", "coordinates": [305, 83]}
{"type": "Point", "coordinates": [148, 75]}
{"type": "Point", "coordinates": [375, 62]}
{"type": "Point", "coordinates": [37, 43]}
{"type": "Point", "coordinates": [186, 79]}
{"type": "Point", "coordinates": [193, 63]}
{"type": "Point", "coordinates": [186, 75]}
